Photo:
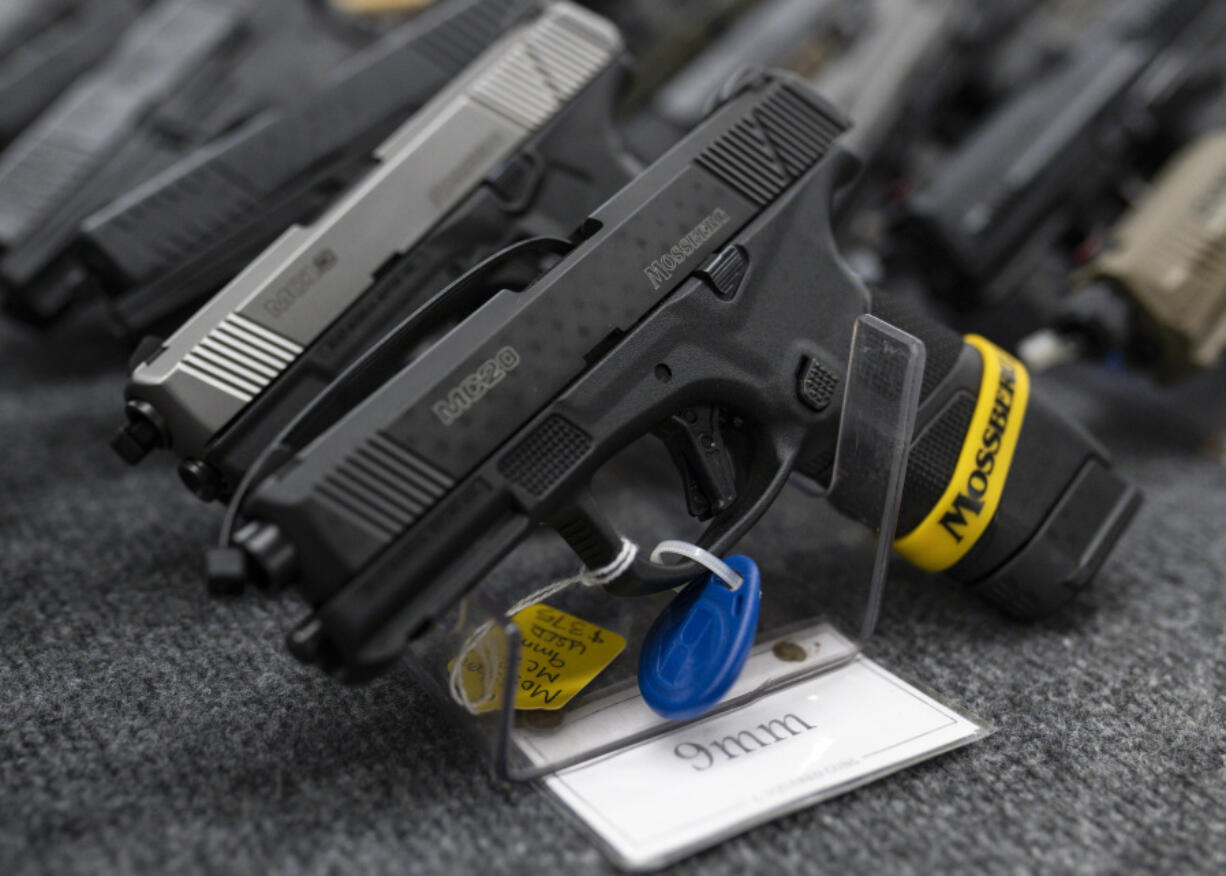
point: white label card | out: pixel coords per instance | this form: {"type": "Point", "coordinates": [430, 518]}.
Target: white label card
{"type": "Point", "coordinates": [671, 796]}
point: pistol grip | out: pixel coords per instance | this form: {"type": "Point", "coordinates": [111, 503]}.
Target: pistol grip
{"type": "Point", "coordinates": [1002, 492]}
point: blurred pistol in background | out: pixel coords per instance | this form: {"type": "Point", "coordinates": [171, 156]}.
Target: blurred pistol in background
{"type": "Point", "coordinates": [875, 60]}
{"type": "Point", "coordinates": [997, 206]}
{"type": "Point", "coordinates": [184, 73]}
{"type": "Point", "coordinates": [520, 144]}
{"type": "Point", "coordinates": [768, 34]}
{"type": "Point", "coordinates": [159, 252]}
{"type": "Point", "coordinates": [45, 45]}
{"type": "Point", "coordinates": [1156, 293]}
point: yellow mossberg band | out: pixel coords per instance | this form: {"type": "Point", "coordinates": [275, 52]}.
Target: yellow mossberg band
{"type": "Point", "coordinates": [973, 494]}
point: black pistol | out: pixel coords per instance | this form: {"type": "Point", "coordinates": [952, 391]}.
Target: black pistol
{"type": "Point", "coordinates": [520, 144]}
{"type": "Point", "coordinates": [705, 303]}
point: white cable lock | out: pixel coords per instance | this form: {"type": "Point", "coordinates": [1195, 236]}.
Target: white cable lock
{"type": "Point", "coordinates": [702, 557]}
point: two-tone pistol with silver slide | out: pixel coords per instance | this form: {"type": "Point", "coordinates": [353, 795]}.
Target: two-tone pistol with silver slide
{"type": "Point", "coordinates": [520, 145]}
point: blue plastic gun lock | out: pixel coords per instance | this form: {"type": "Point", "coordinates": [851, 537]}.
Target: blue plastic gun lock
{"type": "Point", "coordinates": [697, 647]}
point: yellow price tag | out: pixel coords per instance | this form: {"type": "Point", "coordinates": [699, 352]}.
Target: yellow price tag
{"type": "Point", "coordinates": [560, 656]}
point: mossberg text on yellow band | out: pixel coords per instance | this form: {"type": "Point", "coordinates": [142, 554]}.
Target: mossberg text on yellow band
{"type": "Point", "coordinates": [971, 498]}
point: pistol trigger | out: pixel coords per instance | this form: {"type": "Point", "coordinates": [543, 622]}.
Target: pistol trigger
{"type": "Point", "coordinates": [708, 474]}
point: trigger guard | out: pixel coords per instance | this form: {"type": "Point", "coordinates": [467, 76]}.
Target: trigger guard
{"type": "Point", "coordinates": [644, 577]}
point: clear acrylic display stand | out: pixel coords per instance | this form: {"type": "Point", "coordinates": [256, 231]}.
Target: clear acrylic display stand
{"type": "Point", "coordinates": [822, 569]}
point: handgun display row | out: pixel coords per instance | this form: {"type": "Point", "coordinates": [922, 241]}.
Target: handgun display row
{"type": "Point", "coordinates": [398, 287]}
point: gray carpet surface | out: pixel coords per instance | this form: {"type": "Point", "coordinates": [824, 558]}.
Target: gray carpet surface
{"type": "Point", "coordinates": [148, 728]}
